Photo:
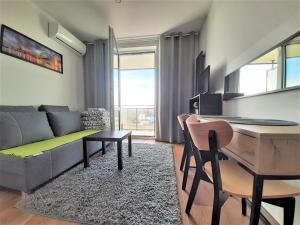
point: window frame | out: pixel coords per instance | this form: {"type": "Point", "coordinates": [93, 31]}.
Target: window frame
{"type": "Point", "coordinates": [284, 45]}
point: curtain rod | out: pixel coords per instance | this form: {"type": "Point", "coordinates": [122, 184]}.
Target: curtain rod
{"type": "Point", "coordinates": [149, 38]}
{"type": "Point", "coordinates": [92, 42]}
{"type": "Point", "coordinates": [180, 34]}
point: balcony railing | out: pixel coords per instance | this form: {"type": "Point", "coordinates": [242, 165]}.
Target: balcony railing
{"type": "Point", "coordinates": [140, 119]}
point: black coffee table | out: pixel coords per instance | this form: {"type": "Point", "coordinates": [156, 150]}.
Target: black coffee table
{"type": "Point", "coordinates": [117, 136]}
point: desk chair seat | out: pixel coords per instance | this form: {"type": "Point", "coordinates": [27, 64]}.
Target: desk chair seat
{"type": "Point", "coordinates": [238, 182]}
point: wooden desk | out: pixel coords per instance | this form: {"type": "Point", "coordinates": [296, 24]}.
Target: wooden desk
{"type": "Point", "coordinates": [267, 152]}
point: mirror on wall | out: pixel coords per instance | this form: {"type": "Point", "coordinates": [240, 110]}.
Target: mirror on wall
{"type": "Point", "coordinates": [276, 70]}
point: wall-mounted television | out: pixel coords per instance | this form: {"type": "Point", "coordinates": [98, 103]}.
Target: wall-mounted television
{"type": "Point", "coordinates": [203, 81]}
{"type": "Point", "coordinates": [200, 61]}
{"type": "Point", "coordinates": [202, 75]}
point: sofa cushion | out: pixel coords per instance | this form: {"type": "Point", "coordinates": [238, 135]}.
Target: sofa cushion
{"type": "Point", "coordinates": [54, 108]}
{"type": "Point", "coordinates": [24, 127]}
{"type": "Point", "coordinates": [11, 135]}
{"type": "Point", "coordinates": [11, 108]}
{"type": "Point", "coordinates": [34, 126]}
{"type": "Point", "coordinates": [63, 123]}
{"type": "Point", "coordinates": [42, 146]}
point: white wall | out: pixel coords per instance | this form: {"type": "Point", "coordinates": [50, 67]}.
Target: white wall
{"type": "Point", "coordinates": [281, 105]}
{"type": "Point", "coordinates": [23, 83]}
{"type": "Point", "coordinates": [236, 32]}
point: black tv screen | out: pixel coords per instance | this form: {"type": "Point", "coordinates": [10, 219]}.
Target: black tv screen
{"type": "Point", "coordinates": [203, 81]}
{"type": "Point", "coordinates": [202, 75]}
{"type": "Point", "coordinates": [200, 60]}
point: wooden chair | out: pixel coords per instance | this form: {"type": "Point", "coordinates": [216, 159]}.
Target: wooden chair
{"type": "Point", "coordinates": [187, 151]}
{"type": "Point", "coordinates": [230, 179]}
{"type": "Point", "coordinates": [181, 118]}
{"type": "Point", "coordinates": [201, 157]}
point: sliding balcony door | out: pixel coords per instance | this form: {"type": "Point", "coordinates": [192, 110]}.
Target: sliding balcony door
{"type": "Point", "coordinates": [136, 93]}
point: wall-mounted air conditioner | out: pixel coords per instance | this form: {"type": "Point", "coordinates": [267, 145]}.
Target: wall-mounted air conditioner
{"type": "Point", "coordinates": [61, 35]}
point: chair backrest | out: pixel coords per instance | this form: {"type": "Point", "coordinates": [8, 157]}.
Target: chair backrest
{"type": "Point", "coordinates": [181, 118]}
{"type": "Point", "coordinates": [199, 132]}
{"type": "Point", "coordinates": [191, 118]}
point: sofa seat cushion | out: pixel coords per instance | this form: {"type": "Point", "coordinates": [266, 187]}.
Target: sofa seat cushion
{"type": "Point", "coordinates": [37, 148]}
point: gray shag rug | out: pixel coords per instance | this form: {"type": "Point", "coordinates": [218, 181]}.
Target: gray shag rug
{"type": "Point", "coordinates": [144, 192]}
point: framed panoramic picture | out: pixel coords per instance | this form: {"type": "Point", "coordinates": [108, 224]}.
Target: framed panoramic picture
{"type": "Point", "coordinates": [22, 47]}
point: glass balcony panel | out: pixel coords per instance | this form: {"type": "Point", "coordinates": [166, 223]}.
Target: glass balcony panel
{"type": "Point", "coordinates": [139, 119]}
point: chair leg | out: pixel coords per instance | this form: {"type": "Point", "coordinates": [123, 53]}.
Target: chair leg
{"type": "Point", "coordinates": [215, 220]}
{"type": "Point", "coordinates": [193, 191]}
{"type": "Point", "coordinates": [244, 207]}
{"type": "Point", "coordinates": [183, 159]}
{"type": "Point", "coordinates": [219, 199]}
{"type": "Point", "coordinates": [186, 170]}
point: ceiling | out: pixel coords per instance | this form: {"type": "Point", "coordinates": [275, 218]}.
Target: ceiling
{"type": "Point", "coordinates": [89, 19]}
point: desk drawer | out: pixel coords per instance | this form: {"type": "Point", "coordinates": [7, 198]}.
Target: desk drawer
{"type": "Point", "coordinates": [244, 147]}
{"type": "Point", "coordinates": [279, 157]}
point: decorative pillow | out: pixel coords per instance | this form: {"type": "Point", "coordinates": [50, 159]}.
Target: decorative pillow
{"type": "Point", "coordinates": [54, 108]}
{"type": "Point", "coordinates": [96, 119]}
{"type": "Point", "coordinates": [63, 123]}
{"type": "Point", "coordinates": [20, 128]}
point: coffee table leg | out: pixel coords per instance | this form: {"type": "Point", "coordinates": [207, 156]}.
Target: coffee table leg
{"type": "Point", "coordinates": [103, 148]}
{"type": "Point", "coordinates": [86, 157]}
{"type": "Point", "coordinates": [129, 146]}
{"type": "Point", "coordinates": [120, 162]}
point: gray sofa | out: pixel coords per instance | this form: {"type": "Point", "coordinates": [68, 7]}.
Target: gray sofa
{"type": "Point", "coordinates": [26, 174]}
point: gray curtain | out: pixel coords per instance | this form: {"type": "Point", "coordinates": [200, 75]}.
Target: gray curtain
{"type": "Point", "coordinates": [98, 75]}
{"type": "Point", "coordinates": [95, 75]}
{"type": "Point", "coordinates": [175, 84]}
